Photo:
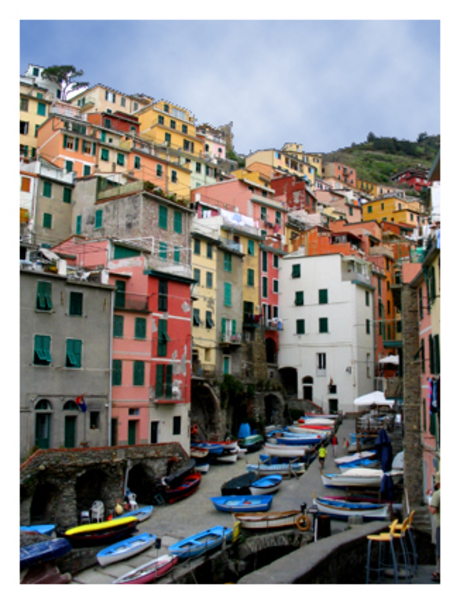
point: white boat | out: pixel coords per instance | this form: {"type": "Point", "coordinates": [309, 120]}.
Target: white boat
{"type": "Point", "coordinates": [320, 421]}
{"type": "Point", "coordinates": [344, 509]}
{"type": "Point", "coordinates": [266, 485]}
{"type": "Point", "coordinates": [285, 469]}
{"type": "Point", "coordinates": [286, 450]}
{"type": "Point", "coordinates": [355, 457]}
{"type": "Point", "coordinates": [241, 453]}
{"type": "Point", "coordinates": [268, 520]}
{"type": "Point", "coordinates": [357, 477]}
{"type": "Point", "coordinates": [125, 549]}
{"type": "Point", "coordinates": [299, 430]}
{"type": "Point", "coordinates": [231, 458]}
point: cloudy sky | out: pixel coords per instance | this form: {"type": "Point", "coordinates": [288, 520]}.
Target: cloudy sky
{"type": "Point", "coordinates": [324, 84]}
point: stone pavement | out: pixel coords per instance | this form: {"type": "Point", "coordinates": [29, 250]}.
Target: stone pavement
{"type": "Point", "coordinates": [197, 513]}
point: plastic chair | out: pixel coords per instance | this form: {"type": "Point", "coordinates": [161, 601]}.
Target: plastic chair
{"type": "Point", "coordinates": [84, 518]}
{"type": "Point", "coordinates": [383, 539]}
{"type": "Point", "coordinates": [412, 555]}
{"type": "Point", "coordinates": [132, 501]}
{"type": "Point", "coordinates": [97, 511]}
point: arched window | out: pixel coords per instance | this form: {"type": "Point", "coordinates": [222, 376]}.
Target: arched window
{"type": "Point", "coordinates": [43, 405]}
{"type": "Point", "coordinates": [43, 424]}
{"type": "Point", "coordinates": [70, 406]}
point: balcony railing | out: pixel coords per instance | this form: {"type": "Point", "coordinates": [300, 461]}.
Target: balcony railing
{"type": "Point", "coordinates": [273, 324]}
{"type": "Point", "coordinates": [233, 339]}
{"type": "Point", "coordinates": [136, 302]}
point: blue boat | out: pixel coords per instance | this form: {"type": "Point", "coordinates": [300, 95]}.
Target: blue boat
{"type": "Point", "coordinates": [360, 463]}
{"type": "Point", "coordinates": [198, 544]}
{"type": "Point", "coordinates": [289, 438]}
{"type": "Point", "coordinates": [125, 549]}
{"type": "Point", "coordinates": [242, 503]}
{"type": "Point", "coordinates": [266, 484]}
{"type": "Point", "coordinates": [212, 448]}
{"type": "Point", "coordinates": [141, 514]}
{"type": "Point", "coordinates": [43, 529]}
{"type": "Point", "coordinates": [285, 469]}
{"type": "Point", "coordinates": [44, 551]}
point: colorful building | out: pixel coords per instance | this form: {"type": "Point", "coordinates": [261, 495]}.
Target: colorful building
{"type": "Point", "coordinates": [34, 109]}
{"type": "Point", "coordinates": [100, 99]}
{"type": "Point", "coordinates": [395, 209]}
{"type": "Point", "coordinates": [340, 172]}
{"type": "Point", "coordinates": [283, 160]}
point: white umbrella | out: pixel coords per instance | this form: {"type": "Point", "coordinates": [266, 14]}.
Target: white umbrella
{"type": "Point", "coordinates": [392, 359]}
{"type": "Point", "coordinates": [373, 398]}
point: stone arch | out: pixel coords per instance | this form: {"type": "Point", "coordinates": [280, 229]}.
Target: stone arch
{"type": "Point", "coordinates": [43, 503]}
{"type": "Point", "coordinates": [288, 376]}
{"type": "Point", "coordinates": [205, 411]}
{"type": "Point", "coordinates": [307, 388]}
{"type": "Point", "coordinates": [273, 406]}
{"type": "Point", "coordinates": [271, 351]}
{"type": "Point", "coordinates": [94, 484]}
{"type": "Point", "coordinates": [143, 482]}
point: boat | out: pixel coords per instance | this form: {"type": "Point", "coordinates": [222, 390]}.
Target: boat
{"type": "Point", "coordinates": [43, 529]}
{"type": "Point", "coordinates": [239, 485]}
{"type": "Point", "coordinates": [334, 416]}
{"type": "Point", "coordinates": [355, 457]}
{"type": "Point", "coordinates": [125, 549]}
{"type": "Point", "coordinates": [241, 452]}
{"type": "Point", "coordinates": [148, 572]}
{"type": "Point", "coordinates": [199, 453]}
{"type": "Point", "coordinates": [303, 429]}
{"type": "Point", "coordinates": [363, 499]}
{"type": "Point", "coordinates": [316, 427]}
{"type": "Point", "coordinates": [187, 487]}
{"type": "Point", "coordinates": [227, 456]}
{"type": "Point", "coordinates": [266, 484]}
{"type": "Point", "coordinates": [288, 451]}
{"type": "Point", "coordinates": [196, 545]}
{"type": "Point", "coordinates": [342, 510]}
{"type": "Point", "coordinates": [357, 477]}
{"type": "Point", "coordinates": [288, 438]}
{"type": "Point", "coordinates": [202, 467]}
{"type": "Point", "coordinates": [175, 478]}
{"type": "Point", "coordinates": [359, 463]}
{"type": "Point", "coordinates": [141, 514]}
{"type": "Point", "coordinates": [100, 533]}
{"type": "Point", "coordinates": [285, 469]}
{"type": "Point", "coordinates": [45, 574]}
{"type": "Point", "coordinates": [251, 443]}
{"type": "Point", "coordinates": [211, 448]}
{"type": "Point", "coordinates": [43, 551]}
{"type": "Point", "coordinates": [271, 520]}
{"type": "Point", "coordinates": [241, 503]}
{"type": "Point", "coordinates": [321, 421]}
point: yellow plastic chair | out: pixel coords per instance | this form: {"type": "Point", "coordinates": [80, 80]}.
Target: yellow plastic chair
{"type": "Point", "coordinates": [383, 539]}
{"type": "Point", "coordinates": [412, 555]}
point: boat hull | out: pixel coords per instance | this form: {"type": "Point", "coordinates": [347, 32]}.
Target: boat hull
{"type": "Point", "coordinates": [238, 485]}
{"type": "Point", "coordinates": [198, 544]}
{"type": "Point", "coordinates": [344, 510]}
{"type": "Point", "coordinates": [43, 551]}
{"type": "Point", "coordinates": [267, 520]}
{"type": "Point", "coordinates": [185, 489]}
{"type": "Point", "coordinates": [266, 485]}
{"type": "Point", "coordinates": [125, 549]}
{"type": "Point", "coordinates": [101, 533]}
{"type": "Point", "coordinates": [289, 451]}
{"type": "Point", "coordinates": [142, 514]}
{"type": "Point", "coordinates": [42, 529]}
{"type": "Point", "coordinates": [256, 503]}
{"type": "Point", "coordinates": [285, 469]}
{"type": "Point", "coordinates": [149, 572]}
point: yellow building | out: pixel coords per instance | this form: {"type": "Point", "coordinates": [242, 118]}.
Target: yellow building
{"type": "Point", "coordinates": [394, 209]}
{"type": "Point", "coordinates": [34, 109]}
{"type": "Point", "coordinates": [283, 161]}
{"type": "Point", "coordinates": [314, 159]}
{"type": "Point", "coordinates": [100, 98]}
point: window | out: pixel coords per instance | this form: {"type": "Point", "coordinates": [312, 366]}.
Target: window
{"type": "Point", "coordinates": [176, 254]}
{"type": "Point", "coordinates": [321, 360]}
{"type": "Point", "coordinates": [23, 127]}
{"type": "Point", "coordinates": [173, 124]}
{"type": "Point", "coordinates": [250, 247]}
{"type": "Point", "coordinates": [196, 247]}
{"type": "Point", "coordinates": [25, 184]}
{"type": "Point", "coordinates": [167, 138]}
{"type": "Point", "coordinates": [209, 279]}
{"type": "Point", "coordinates": [78, 225]}
{"type": "Point", "coordinates": [278, 217]}
{"type": "Point", "coordinates": [163, 337]}
{"type": "Point", "coordinates": [86, 170]}
{"type": "Point", "coordinates": [250, 276]}
{"type": "Point", "coordinates": [388, 307]}
{"type": "Point", "coordinates": [422, 355]}
{"type": "Point", "coordinates": [209, 250]}
{"type": "Point", "coordinates": [76, 304]}
{"type": "Point", "coordinates": [323, 325]}
{"type": "Point", "coordinates": [264, 287]}
{"type": "Point", "coordinates": [177, 222]}
{"type": "Point", "coordinates": [264, 261]}
{"type": "Point", "coordinates": [140, 328]}
{"type": "Point", "coordinates": [123, 101]}
{"type": "Point", "coordinates": [73, 353]}
{"type": "Point", "coordinates": [367, 298]}
{"type": "Point", "coordinates": [44, 298]}
{"type": "Point", "coordinates": [98, 219]}
{"type": "Point", "coordinates": [118, 326]}
{"type": "Point", "coordinates": [163, 217]}
{"type": "Point", "coordinates": [300, 326]}
{"type": "Point", "coordinates": [159, 170]}
{"type": "Point", "coordinates": [105, 154]}
{"type": "Point", "coordinates": [322, 296]}
{"type": "Point", "coordinates": [209, 320]}
{"type": "Point", "coordinates": [197, 275]}
{"type": "Point", "coordinates": [24, 104]}
{"type": "Point", "coordinates": [42, 354]}
{"type": "Point", "coordinates": [67, 195]}
{"type": "Point", "coordinates": [173, 176]}
{"type": "Point", "coordinates": [110, 96]}
{"type": "Point", "coordinates": [120, 293]}
{"type": "Point", "coordinates": [368, 326]}
{"type": "Point", "coordinates": [368, 365]}
{"type": "Point", "coordinates": [196, 317]}
{"type": "Point", "coordinates": [161, 120]}
{"type": "Point", "coordinates": [47, 189]}
{"type": "Point", "coordinates": [198, 168]}
{"type": "Point", "coordinates": [263, 213]}
{"type": "Point", "coordinates": [120, 159]}
{"type": "Point", "coordinates": [163, 253]}
{"type": "Point", "coordinates": [138, 373]}
{"type": "Point", "coordinates": [276, 261]}
{"type": "Point", "coordinates": [162, 295]}
{"type": "Point", "coordinates": [94, 420]}
{"type": "Point", "coordinates": [176, 425]}
{"type": "Point", "coordinates": [227, 294]}
{"type": "Point", "coordinates": [295, 271]}
{"type": "Point", "coordinates": [69, 166]}
{"type": "Point", "coordinates": [184, 129]}
{"type": "Point", "coordinates": [163, 382]}
{"type": "Point", "coordinates": [275, 286]}
{"type": "Point", "coordinates": [369, 210]}
{"type": "Point", "coordinates": [298, 299]}
{"type": "Point", "coordinates": [227, 262]}
{"type": "Point", "coordinates": [107, 123]}
{"type": "Point", "coordinates": [103, 136]}
{"type": "Point", "coordinates": [41, 109]}
{"type": "Point", "coordinates": [420, 301]}
{"type": "Point", "coordinates": [47, 220]}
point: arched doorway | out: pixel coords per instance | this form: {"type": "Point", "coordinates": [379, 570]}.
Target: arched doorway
{"type": "Point", "coordinates": [70, 424]}
{"type": "Point", "coordinates": [271, 351]}
{"type": "Point", "coordinates": [307, 388]}
{"type": "Point", "coordinates": [141, 480]}
{"type": "Point", "coordinates": [288, 376]}
{"type": "Point", "coordinates": [93, 485]}
{"type": "Point", "coordinates": [43, 411]}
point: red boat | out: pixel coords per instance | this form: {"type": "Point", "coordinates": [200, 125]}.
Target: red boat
{"type": "Point", "coordinates": [148, 572]}
{"type": "Point", "coordinates": [188, 486]}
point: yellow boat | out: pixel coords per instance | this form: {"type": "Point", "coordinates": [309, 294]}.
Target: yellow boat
{"type": "Point", "coordinates": [100, 533]}
{"type": "Point", "coordinates": [100, 526]}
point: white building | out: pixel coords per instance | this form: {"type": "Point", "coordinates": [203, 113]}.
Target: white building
{"type": "Point", "coordinates": [327, 344]}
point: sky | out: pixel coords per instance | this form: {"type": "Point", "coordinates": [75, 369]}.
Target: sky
{"type": "Point", "coordinates": [321, 83]}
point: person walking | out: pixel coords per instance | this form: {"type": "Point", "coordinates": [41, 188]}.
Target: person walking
{"type": "Point", "coordinates": [435, 509]}
{"type": "Point", "coordinates": [322, 455]}
{"type": "Point", "coordinates": [335, 442]}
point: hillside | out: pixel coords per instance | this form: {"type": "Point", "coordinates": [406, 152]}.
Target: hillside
{"type": "Point", "coordinates": [379, 158]}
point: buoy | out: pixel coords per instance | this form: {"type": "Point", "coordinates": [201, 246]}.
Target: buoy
{"type": "Point", "coordinates": [303, 523]}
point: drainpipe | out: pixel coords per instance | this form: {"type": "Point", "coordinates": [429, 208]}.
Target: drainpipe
{"type": "Point", "coordinates": [109, 410]}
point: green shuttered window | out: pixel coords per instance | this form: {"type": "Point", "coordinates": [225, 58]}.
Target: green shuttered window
{"type": "Point", "coordinates": [44, 296]}
{"type": "Point", "coordinates": [73, 353]}
{"type": "Point", "coordinates": [138, 373]}
{"type": "Point", "coordinates": [227, 294]}
{"type": "Point", "coordinates": [118, 326]}
{"type": "Point", "coordinates": [116, 372]}
{"type": "Point", "coordinates": [140, 328]}
{"type": "Point", "coordinates": [42, 354]}
{"type": "Point", "coordinates": [76, 304]}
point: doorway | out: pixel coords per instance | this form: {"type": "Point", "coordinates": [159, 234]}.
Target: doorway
{"type": "Point", "coordinates": [70, 431]}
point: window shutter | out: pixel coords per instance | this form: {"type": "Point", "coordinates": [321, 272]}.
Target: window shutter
{"type": "Point", "coordinates": [118, 325]}
{"type": "Point", "coordinates": [224, 327]}
{"type": "Point", "coordinates": [177, 222]}
{"type": "Point", "coordinates": [78, 225]}
{"type": "Point", "coordinates": [94, 149]}
{"type": "Point", "coordinates": [159, 381]}
{"type": "Point", "coordinates": [227, 294]}
{"type": "Point", "coordinates": [140, 328]}
{"type": "Point", "coordinates": [75, 147]}
{"type": "Point", "coordinates": [431, 350]}
{"type": "Point", "coordinates": [299, 298]}
{"type": "Point", "coordinates": [168, 388]}
{"type": "Point", "coordinates": [116, 372]}
{"type": "Point", "coordinates": [233, 327]}
{"type": "Point", "coordinates": [138, 373]}
{"type": "Point", "coordinates": [64, 144]}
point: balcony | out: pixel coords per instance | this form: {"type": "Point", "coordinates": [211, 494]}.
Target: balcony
{"type": "Point", "coordinates": [232, 245]}
{"type": "Point", "coordinates": [227, 339]}
{"type": "Point", "coordinates": [274, 324]}
{"type": "Point", "coordinates": [131, 302]}
{"type": "Point", "coordinates": [250, 321]}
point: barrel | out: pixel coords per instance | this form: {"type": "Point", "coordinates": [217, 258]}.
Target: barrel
{"type": "Point", "coordinates": [324, 526]}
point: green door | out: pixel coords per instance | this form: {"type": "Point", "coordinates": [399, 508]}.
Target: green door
{"type": "Point", "coordinates": [132, 424]}
{"type": "Point", "coordinates": [70, 431]}
{"type": "Point", "coordinates": [42, 430]}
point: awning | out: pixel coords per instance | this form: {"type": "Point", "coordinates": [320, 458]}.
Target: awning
{"type": "Point", "coordinates": [392, 359]}
{"type": "Point", "coordinates": [373, 398]}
